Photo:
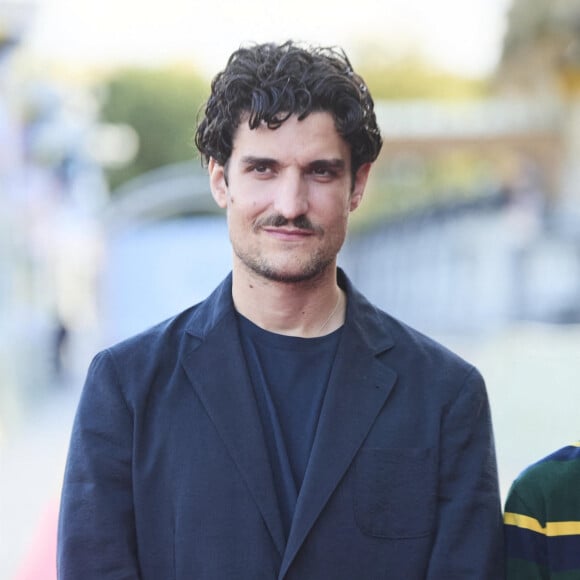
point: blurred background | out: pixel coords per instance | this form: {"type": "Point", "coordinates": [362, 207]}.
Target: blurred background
{"type": "Point", "coordinates": [470, 230]}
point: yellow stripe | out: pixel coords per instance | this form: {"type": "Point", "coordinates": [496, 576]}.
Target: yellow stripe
{"type": "Point", "coordinates": [550, 529]}
{"type": "Point", "coordinates": [563, 528]}
{"type": "Point", "coordinates": [577, 444]}
{"type": "Point", "coordinates": [525, 522]}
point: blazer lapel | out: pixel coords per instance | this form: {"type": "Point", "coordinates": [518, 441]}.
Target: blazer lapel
{"type": "Point", "coordinates": [217, 371]}
{"type": "Point", "coordinates": [359, 386]}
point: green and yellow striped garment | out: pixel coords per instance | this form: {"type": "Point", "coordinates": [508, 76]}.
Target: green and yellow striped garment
{"type": "Point", "coordinates": [542, 519]}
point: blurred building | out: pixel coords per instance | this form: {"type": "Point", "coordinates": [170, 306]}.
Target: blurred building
{"type": "Point", "coordinates": [474, 208]}
{"type": "Point", "coordinates": [541, 62]}
{"type": "Point", "coordinates": [496, 239]}
{"type": "Point", "coordinates": [49, 240]}
{"type": "Point", "coordinates": [14, 19]}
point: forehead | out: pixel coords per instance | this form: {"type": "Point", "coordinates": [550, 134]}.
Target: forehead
{"type": "Point", "coordinates": [313, 137]}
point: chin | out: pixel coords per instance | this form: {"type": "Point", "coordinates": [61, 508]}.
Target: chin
{"type": "Point", "coordinates": [291, 275]}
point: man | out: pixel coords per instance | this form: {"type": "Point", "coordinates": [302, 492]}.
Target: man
{"type": "Point", "coordinates": [542, 519]}
{"type": "Point", "coordinates": [284, 427]}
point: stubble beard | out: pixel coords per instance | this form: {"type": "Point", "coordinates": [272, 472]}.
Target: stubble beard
{"type": "Point", "coordinates": [297, 269]}
{"type": "Point", "coordinates": [307, 271]}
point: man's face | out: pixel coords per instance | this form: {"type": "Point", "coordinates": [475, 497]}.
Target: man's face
{"type": "Point", "coordinates": [288, 193]}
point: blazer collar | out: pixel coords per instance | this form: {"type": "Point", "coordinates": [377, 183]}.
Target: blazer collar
{"type": "Point", "coordinates": [361, 316]}
{"type": "Point", "coordinates": [359, 385]}
{"type": "Point", "coordinates": [212, 310]}
{"type": "Point", "coordinates": [217, 370]}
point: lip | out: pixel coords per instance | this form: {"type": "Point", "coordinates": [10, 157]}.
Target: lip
{"type": "Point", "coordinates": [288, 234]}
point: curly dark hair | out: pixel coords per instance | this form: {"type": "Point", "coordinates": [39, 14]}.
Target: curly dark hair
{"type": "Point", "coordinates": [271, 82]}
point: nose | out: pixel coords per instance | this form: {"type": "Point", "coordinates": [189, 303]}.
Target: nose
{"type": "Point", "coordinates": [291, 195]}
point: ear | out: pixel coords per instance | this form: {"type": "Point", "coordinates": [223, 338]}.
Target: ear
{"type": "Point", "coordinates": [217, 183]}
{"type": "Point", "coordinates": [360, 182]}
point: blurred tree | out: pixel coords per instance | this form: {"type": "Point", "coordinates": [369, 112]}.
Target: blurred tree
{"type": "Point", "coordinates": [412, 77]}
{"type": "Point", "coordinates": [541, 50]}
{"type": "Point", "coordinates": [404, 182]}
{"type": "Point", "coordinates": [161, 105]}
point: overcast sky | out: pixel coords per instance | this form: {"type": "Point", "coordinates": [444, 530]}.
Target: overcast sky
{"type": "Point", "coordinates": [463, 36]}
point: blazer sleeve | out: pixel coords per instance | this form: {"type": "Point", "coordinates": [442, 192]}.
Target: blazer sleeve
{"type": "Point", "coordinates": [469, 536]}
{"type": "Point", "coordinates": [96, 534]}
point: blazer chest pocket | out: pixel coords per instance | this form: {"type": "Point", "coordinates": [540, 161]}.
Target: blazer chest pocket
{"type": "Point", "coordinates": [394, 492]}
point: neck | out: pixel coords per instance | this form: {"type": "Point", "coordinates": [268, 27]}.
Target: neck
{"type": "Point", "coordinates": [305, 309]}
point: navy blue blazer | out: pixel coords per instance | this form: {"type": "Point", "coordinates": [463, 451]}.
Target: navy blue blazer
{"type": "Point", "coordinates": [168, 475]}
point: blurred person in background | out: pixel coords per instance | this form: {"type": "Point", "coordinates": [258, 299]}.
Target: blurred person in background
{"type": "Point", "coordinates": [284, 427]}
{"type": "Point", "coordinates": [542, 519]}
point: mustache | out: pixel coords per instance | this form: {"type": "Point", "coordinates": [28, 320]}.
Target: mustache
{"type": "Point", "coordinates": [277, 221]}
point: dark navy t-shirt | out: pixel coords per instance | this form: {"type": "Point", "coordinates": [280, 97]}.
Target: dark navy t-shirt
{"type": "Point", "coordinates": [289, 375]}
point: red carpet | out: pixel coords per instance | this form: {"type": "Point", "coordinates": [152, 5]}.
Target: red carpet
{"type": "Point", "coordinates": [40, 559]}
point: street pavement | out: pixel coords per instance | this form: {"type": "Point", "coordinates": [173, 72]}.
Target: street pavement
{"type": "Point", "coordinates": [32, 464]}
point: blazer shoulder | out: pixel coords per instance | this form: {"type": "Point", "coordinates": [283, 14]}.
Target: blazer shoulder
{"type": "Point", "coordinates": [423, 346]}
{"type": "Point", "coordinates": [162, 337]}
{"type": "Point", "coordinates": [168, 338]}
{"type": "Point", "coordinates": [408, 351]}
{"type": "Point", "coordinates": [152, 359]}
{"type": "Point", "coordinates": [428, 368]}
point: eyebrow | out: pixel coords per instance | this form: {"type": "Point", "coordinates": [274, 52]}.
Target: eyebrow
{"type": "Point", "coordinates": [334, 163]}
{"type": "Point", "coordinates": [253, 160]}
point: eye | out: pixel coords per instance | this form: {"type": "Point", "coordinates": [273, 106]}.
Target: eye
{"type": "Point", "coordinates": [261, 168]}
{"type": "Point", "coordinates": [324, 171]}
